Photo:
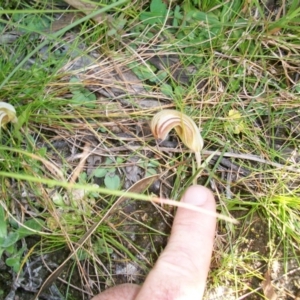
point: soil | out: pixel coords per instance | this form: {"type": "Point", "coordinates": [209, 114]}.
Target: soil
{"type": "Point", "coordinates": [134, 220]}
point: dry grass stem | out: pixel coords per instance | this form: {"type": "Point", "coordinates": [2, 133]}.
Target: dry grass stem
{"type": "Point", "coordinates": [194, 208]}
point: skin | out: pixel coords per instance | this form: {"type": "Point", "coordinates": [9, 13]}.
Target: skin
{"type": "Point", "coordinates": [182, 268]}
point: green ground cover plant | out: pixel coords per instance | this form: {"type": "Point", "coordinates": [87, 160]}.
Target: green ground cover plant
{"type": "Point", "coordinates": [85, 83]}
{"type": "Point", "coordinates": [10, 237]}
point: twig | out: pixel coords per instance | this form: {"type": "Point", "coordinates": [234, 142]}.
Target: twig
{"type": "Point", "coordinates": [252, 158]}
{"type": "Point", "coordinates": [85, 154]}
{"type": "Point", "coordinates": [198, 161]}
{"type": "Point", "coordinates": [204, 152]}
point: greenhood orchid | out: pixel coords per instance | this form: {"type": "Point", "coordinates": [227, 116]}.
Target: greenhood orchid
{"type": "Point", "coordinates": [166, 120]}
{"type": "Point", "coordinates": [7, 114]}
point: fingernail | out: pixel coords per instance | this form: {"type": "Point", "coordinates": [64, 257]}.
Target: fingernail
{"type": "Point", "coordinates": [196, 195]}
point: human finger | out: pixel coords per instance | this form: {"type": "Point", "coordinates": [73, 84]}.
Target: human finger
{"type": "Point", "coordinates": [182, 268]}
{"type": "Point", "coordinates": [125, 291]}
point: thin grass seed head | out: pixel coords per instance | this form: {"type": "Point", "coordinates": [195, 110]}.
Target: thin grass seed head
{"type": "Point", "coordinates": [7, 114]}
{"type": "Point", "coordinates": [164, 121]}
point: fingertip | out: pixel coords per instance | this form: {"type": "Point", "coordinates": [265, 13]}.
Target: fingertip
{"type": "Point", "coordinates": [126, 291]}
{"type": "Point", "coordinates": [193, 222]}
{"type": "Point", "coordinates": [199, 195]}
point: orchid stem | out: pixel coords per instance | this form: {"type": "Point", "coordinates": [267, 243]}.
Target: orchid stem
{"type": "Point", "coordinates": [198, 161]}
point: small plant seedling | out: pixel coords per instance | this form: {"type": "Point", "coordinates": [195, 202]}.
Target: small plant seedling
{"type": "Point", "coordinates": [81, 95]}
{"type": "Point", "coordinates": [29, 23]}
{"type": "Point", "coordinates": [99, 246]}
{"type": "Point", "coordinates": [150, 167]}
{"type": "Point", "coordinates": [9, 239]}
{"type": "Point", "coordinates": [235, 123]}
{"type": "Point", "coordinates": [111, 179]}
{"type": "Point", "coordinates": [157, 13]}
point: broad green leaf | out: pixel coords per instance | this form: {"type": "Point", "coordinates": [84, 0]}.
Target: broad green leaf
{"type": "Point", "coordinates": [81, 255]}
{"type": "Point", "coordinates": [144, 72]}
{"type": "Point", "coordinates": [153, 163]}
{"type": "Point", "coordinates": [57, 199]}
{"type": "Point", "coordinates": [35, 224]}
{"type": "Point", "coordinates": [10, 240]}
{"type": "Point", "coordinates": [119, 160]}
{"type": "Point", "coordinates": [161, 75]}
{"type": "Point", "coordinates": [89, 95]}
{"type": "Point", "coordinates": [82, 177]}
{"type": "Point", "coordinates": [112, 181]}
{"type": "Point", "coordinates": [11, 249]}
{"type": "Point", "coordinates": [99, 173]}
{"type": "Point", "coordinates": [179, 91]}
{"type": "Point", "coordinates": [150, 172]}
{"type": "Point", "coordinates": [157, 14]}
{"type": "Point", "coordinates": [111, 32]}
{"type": "Point", "coordinates": [206, 18]}
{"type": "Point", "coordinates": [3, 224]}
{"type": "Point", "coordinates": [79, 98]}
{"type": "Point", "coordinates": [75, 85]}
{"type": "Point", "coordinates": [167, 90]}
{"type": "Point", "coordinates": [31, 22]}
{"type": "Point", "coordinates": [108, 161]}
{"type": "Point", "coordinates": [14, 262]}
{"type": "Point", "coordinates": [177, 16]}
{"type": "Point", "coordinates": [101, 247]}
{"type": "Point", "coordinates": [158, 6]}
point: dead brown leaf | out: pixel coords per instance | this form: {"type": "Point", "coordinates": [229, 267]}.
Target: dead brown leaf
{"type": "Point", "coordinates": [85, 8]}
{"type": "Point", "coordinates": [64, 20]}
{"type": "Point", "coordinates": [268, 288]}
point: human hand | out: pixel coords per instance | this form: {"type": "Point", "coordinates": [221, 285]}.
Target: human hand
{"type": "Point", "coordinates": [181, 270]}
